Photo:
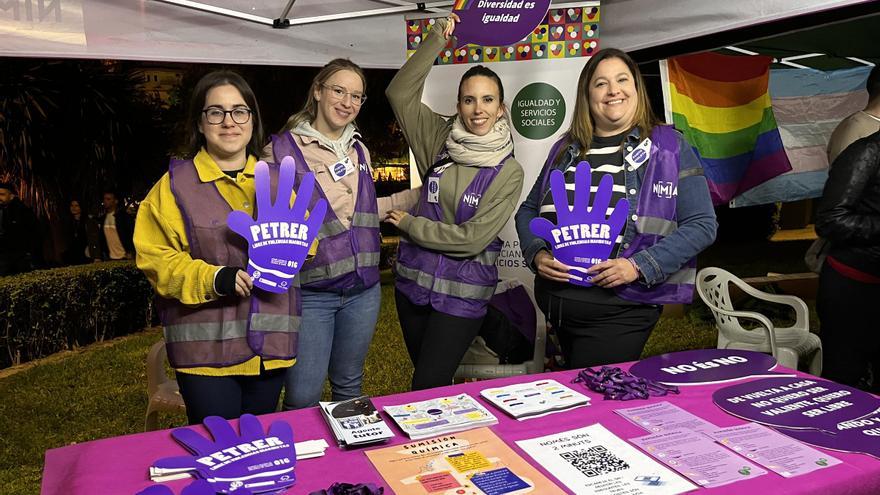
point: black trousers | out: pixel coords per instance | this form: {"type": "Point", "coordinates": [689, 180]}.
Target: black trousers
{"type": "Point", "coordinates": [436, 341]}
{"type": "Point", "coordinates": [848, 314]}
{"type": "Point", "coordinates": [230, 396]}
{"type": "Point", "coordinates": [595, 334]}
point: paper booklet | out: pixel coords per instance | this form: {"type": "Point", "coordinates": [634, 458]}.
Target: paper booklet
{"type": "Point", "coordinates": [355, 422]}
{"type": "Point", "coordinates": [535, 399]}
{"type": "Point", "coordinates": [442, 415]}
{"type": "Point", "coordinates": [592, 460]}
{"type": "Point", "coordinates": [474, 462]}
{"type": "Point", "coordinates": [304, 450]}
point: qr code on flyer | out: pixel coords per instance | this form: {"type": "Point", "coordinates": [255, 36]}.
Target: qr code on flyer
{"type": "Point", "coordinates": [594, 461]}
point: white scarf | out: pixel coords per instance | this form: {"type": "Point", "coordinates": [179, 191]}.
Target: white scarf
{"type": "Point", "coordinates": [466, 148]}
{"type": "Point", "coordinates": [339, 146]}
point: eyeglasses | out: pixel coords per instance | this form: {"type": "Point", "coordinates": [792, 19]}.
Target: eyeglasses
{"type": "Point", "coordinates": [339, 93]}
{"type": "Point", "coordinates": [216, 116]}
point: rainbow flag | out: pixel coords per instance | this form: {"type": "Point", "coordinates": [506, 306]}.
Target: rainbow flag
{"type": "Point", "coordinates": [462, 4]}
{"type": "Point", "coordinates": [722, 105]}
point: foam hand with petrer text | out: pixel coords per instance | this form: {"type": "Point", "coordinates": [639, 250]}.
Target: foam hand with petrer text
{"type": "Point", "coordinates": [254, 460]}
{"type": "Point", "coordinates": [279, 240]}
{"type": "Point", "coordinates": [583, 235]}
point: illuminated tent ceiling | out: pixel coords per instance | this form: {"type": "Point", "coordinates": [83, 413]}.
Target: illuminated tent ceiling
{"type": "Point", "coordinates": [370, 32]}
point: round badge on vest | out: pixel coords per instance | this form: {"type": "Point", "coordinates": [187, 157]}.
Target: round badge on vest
{"type": "Point", "coordinates": [637, 157]}
{"type": "Point", "coordinates": [341, 168]}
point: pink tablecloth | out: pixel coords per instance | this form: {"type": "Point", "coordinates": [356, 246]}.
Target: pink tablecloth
{"type": "Point", "coordinates": [119, 465]}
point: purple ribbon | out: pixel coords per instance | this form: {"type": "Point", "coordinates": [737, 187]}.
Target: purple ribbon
{"type": "Point", "coordinates": [616, 384]}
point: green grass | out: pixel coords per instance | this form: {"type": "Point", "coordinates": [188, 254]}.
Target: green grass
{"type": "Point", "coordinates": [100, 391]}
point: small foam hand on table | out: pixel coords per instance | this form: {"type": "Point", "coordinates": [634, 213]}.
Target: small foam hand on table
{"type": "Point", "coordinates": [254, 460]}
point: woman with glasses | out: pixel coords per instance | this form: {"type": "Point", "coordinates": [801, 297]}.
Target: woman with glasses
{"type": "Point", "coordinates": [670, 218]}
{"type": "Point", "coordinates": [225, 366]}
{"type": "Point", "coordinates": [340, 285]}
{"type": "Point", "coordinates": [449, 243]}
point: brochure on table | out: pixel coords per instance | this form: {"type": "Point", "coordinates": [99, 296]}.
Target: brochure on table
{"type": "Point", "coordinates": [472, 462]}
{"type": "Point", "coordinates": [698, 457]}
{"type": "Point", "coordinates": [592, 460]}
{"type": "Point", "coordinates": [664, 416]}
{"type": "Point", "coordinates": [534, 399]}
{"type": "Point", "coordinates": [773, 450]}
{"type": "Point", "coordinates": [439, 416]}
{"type": "Point", "coordinates": [355, 422]}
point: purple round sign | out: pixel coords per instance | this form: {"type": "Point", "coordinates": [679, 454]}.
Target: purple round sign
{"type": "Point", "coordinates": [497, 22]}
{"type": "Point", "coordinates": [705, 366]}
{"type": "Point", "coordinates": [796, 402]}
{"type": "Point", "coordinates": [857, 435]}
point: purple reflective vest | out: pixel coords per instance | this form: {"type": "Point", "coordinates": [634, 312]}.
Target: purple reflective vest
{"type": "Point", "coordinates": [346, 258]}
{"type": "Point", "coordinates": [656, 219]}
{"type": "Point", "coordinates": [230, 329]}
{"type": "Point", "coordinates": [456, 286]}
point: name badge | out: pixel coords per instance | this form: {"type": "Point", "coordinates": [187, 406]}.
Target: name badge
{"type": "Point", "coordinates": [341, 168]}
{"type": "Point", "coordinates": [637, 157]}
{"type": "Point", "coordinates": [433, 189]}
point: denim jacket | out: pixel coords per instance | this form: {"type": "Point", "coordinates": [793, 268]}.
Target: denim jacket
{"type": "Point", "coordinates": [694, 212]}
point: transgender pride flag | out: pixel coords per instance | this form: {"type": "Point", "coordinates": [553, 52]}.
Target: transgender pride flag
{"type": "Point", "coordinates": [808, 104]}
{"type": "Point", "coordinates": [722, 106]}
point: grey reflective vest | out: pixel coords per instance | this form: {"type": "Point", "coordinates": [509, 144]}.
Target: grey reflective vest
{"type": "Point", "coordinates": [229, 330]}
{"type": "Point", "coordinates": [349, 257]}
{"type": "Point", "coordinates": [456, 286]}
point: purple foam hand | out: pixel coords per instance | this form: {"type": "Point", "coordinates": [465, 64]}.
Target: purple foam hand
{"type": "Point", "coordinates": [197, 487]}
{"type": "Point", "coordinates": [279, 240]}
{"type": "Point", "coordinates": [583, 235]}
{"type": "Point", "coordinates": [254, 460]}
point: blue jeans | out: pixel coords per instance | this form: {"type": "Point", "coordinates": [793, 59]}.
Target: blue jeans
{"type": "Point", "coordinates": [335, 334]}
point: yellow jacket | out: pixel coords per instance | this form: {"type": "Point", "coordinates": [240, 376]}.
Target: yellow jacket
{"type": "Point", "coordinates": [163, 250]}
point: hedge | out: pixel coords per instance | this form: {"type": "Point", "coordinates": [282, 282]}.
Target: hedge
{"type": "Point", "coordinates": [46, 311]}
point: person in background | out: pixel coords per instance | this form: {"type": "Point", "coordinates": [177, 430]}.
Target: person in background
{"type": "Point", "coordinates": [860, 124]}
{"type": "Point", "coordinates": [20, 239]}
{"type": "Point", "coordinates": [116, 229]}
{"type": "Point", "coordinates": [75, 236]}
{"type": "Point", "coordinates": [849, 284]}
{"type": "Point", "coordinates": [449, 243]}
{"type": "Point", "coordinates": [340, 285]}
{"type": "Point", "coordinates": [653, 260]}
{"type": "Point", "coordinates": [226, 363]}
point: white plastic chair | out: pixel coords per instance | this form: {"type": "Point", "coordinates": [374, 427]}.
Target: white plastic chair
{"type": "Point", "coordinates": [786, 344]}
{"type": "Point", "coordinates": [479, 362]}
{"type": "Point", "coordinates": [162, 391]}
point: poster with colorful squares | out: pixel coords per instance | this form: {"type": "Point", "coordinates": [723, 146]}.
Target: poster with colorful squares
{"type": "Point", "coordinates": [564, 33]}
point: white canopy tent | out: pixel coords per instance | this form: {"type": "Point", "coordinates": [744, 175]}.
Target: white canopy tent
{"type": "Point", "coordinates": [370, 32]}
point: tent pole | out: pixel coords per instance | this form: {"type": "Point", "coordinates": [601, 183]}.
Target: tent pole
{"type": "Point", "coordinates": [219, 10]}
{"type": "Point", "coordinates": [404, 2]}
{"type": "Point", "coordinates": [283, 22]}
{"type": "Point", "coordinates": [410, 7]}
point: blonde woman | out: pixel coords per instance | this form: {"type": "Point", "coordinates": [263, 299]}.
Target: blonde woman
{"type": "Point", "coordinates": [340, 285]}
